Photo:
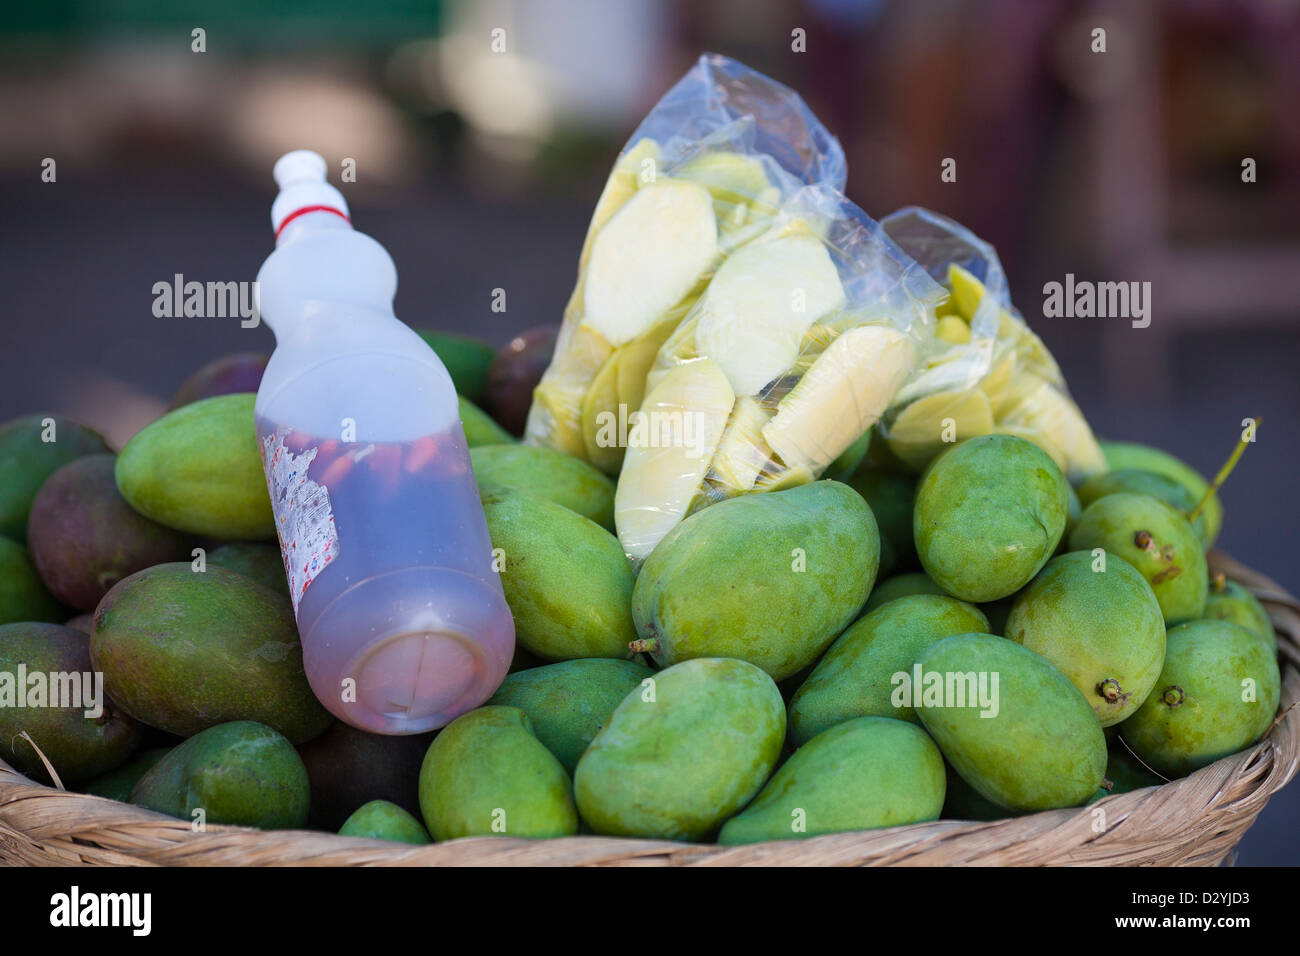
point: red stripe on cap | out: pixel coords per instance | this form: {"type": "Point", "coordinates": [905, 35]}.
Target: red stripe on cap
{"type": "Point", "coordinates": [303, 211]}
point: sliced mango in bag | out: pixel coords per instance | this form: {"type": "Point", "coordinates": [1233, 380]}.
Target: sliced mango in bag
{"type": "Point", "coordinates": [928, 425]}
{"type": "Point", "coordinates": [648, 257]}
{"type": "Point", "coordinates": [759, 305]}
{"type": "Point", "coordinates": [669, 451]}
{"type": "Point", "coordinates": [742, 452]}
{"type": "Point", "coordinates": [840, 396]}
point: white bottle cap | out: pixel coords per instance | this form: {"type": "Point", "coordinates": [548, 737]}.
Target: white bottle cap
{"type": "Point", "coordinates": [301, 178]}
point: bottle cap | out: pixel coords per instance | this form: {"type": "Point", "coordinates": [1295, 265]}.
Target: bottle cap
{"type": "Point", "coordinates": [301, 178]}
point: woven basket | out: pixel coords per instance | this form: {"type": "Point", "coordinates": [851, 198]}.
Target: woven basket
{"type": "Point", "coordinates": [1194, 821]}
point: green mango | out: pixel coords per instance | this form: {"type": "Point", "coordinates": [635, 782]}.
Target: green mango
{"type": "Point", "coordinates": [487, 774]}
{"type": "Point", "coordinates": [1229, 601]}
{"type": "Point", "coordinates": [989, 513]}
{"type": "Point", "coordinates": [1135, 481]}
{"type": "Point", "coordinates": [1040, 747]}
{"type": "Point", "coordinates": [381, 820]}
{"type": "Point", "coordinates": [31, 449]}
{"type": "Point", "coordinates": [900, 585]}
{"type": "Point", "coordinates": [1217, 694]}
{"type": "Point", "coordinates": [198, 469]}
{"type": "Point", "coordinates": [84, 537]}
{"type": "Point", "coordinates": [242, 773]}
{"type": "Point", "coordinates": [466, 358]}
{"type": "Point", "coordinates": [1125, 455]}
{"type": "Point", "coordinates": [348, 767]}
{"type": "Point", "coordinates": [23, 595]}
{"type": "Point", "coordinates": [253, 559]}
{"type": "Point", "coordinates": [480, 428]}
{"type": "Point", "coordinates": [767, 578]}
{"type": "Point", "coordinates": [51, 703]}
{"type": "Point", "coordinates": [683, 755]}
{"type": "Point", "coordinates": [183, 651]}
{"type": "Point", "coordinates": [549, 473]}
{"type": "Point", "coordinates": [1125, 774]}
{"type": "Point", "coordinates": [1097, 619]}
{"type": "Point", "coordinates": [865, 773]}
{"type": "Point", "coordinates": [566, 579]}
{"type": "Point", "coordinates": [855, 677]}
{"type": "Point", "coordinates": [571, 701]}
{"type": "Point", "coordinates": [1155, 539]}
{"type": "Point", "coordinates": [117, 784]}
{"type": "Point", "coordinates": [892, 498]}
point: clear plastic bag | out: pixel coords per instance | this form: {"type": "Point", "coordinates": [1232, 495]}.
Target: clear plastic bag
{"type": "Point", "coordinates": [796, 346]}
{"type": "Point", "coordinates": [705, 173]}
{"type": "Point", "coordinates": [985, 370]}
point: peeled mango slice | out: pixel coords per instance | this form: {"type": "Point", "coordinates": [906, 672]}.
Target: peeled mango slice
{"type": "Point", "coordinates": [602, 397]}
{"type": "Point", "coordinates": [917, 434]}
{"type": "Point", "coordinates": [759, 305]}
{"type": "Point", "coordinates": [669, 450]}
{"type": "Point", "coordinates": [967, 291]}
{"type": "Point", "coordinates": [743, 451]}
{"type": "Point", "coordinates": [996, 383]}
{"type": "Point", "coordinates": [624, 180]}
{"type": "Point", "coordinates": [953, 330]}
{"type": "Point", "coordinates": [555, 419]}
{"type": "Point", "coordinates": [730, 177]}
{"type": "Point", "coordinates": [648, 256]}
{"type": "Point", "coordinates": [782, 479]}
{"type": "Point", "coordinates": [637, 357]}
{"type": "Point", "coordinates": [1053, 415]}
{"type": "Point", "coordinates": [840, 396]}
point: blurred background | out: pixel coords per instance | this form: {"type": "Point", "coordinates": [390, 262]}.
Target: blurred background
{"type": "Point", "coordinates": [482, 133]}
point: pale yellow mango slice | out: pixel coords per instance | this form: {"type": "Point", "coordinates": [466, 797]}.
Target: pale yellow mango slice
{"type": "Point", "coordinates": [600, 436]}
{"type": "Point", "coordinates": [840, 396]}
{"type": "Point", "coordinates": [650, 255]}
{"type": "Point", "coordinates": [783, 478]}
{"type": "Point", "coordinates": [626, 177]}
{"type": "Point", "coordinates": [555, 419]}
{"type": "Point", "coordinates": [730, 177]}
{"type": "Point", "coordinates": [967, 291]}
{"type": "Point", "coordinates": [759, 305]}
{"type": "Point", "coordinates": [743, 451]}
{"type": "Point", "coordinates": [669, 451]}
{"type": "Point", "coordinates": [953, 330]}
{"type": "Point", "coordinates": [918, 433]}
{"type": "Point", "coordinates": [1050, 413]}
{"type": "Point", "coordinates": [640, 356]}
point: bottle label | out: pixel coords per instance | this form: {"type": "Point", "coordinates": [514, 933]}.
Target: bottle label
{"type": "Point", "coordinates": [304, 518]}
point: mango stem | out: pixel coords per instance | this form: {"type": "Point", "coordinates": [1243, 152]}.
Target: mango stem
{"type": "Point", "coordinates": [1223, 474]}
{"type": "Point", "coordinates": [644, 645]}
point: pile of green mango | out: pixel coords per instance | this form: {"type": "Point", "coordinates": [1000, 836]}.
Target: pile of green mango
{"type": "Point", "coordinates": [979, 640]}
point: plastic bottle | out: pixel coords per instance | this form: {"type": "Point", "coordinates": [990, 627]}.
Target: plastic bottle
{"type": "Point", "coordinates": [403, 621]}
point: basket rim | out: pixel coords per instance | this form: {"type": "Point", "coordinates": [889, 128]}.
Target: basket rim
{"type": "Point", "coordinates": [1195, 819]}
